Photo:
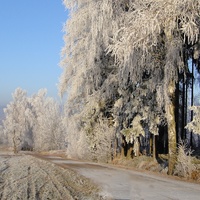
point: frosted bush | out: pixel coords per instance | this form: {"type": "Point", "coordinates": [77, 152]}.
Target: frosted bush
{"type": "Point", "coordinates": [184, 165]}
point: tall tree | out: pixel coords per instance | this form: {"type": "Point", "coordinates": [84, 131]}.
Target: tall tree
{"type": "Point", "coordinates": [15, 123]}
{"type": "Point", "coordinates": [48, 130]}
{"type": "Point", "coordinates": [90, 81]}
{"type": "Point", "coordinates": [157, 32]}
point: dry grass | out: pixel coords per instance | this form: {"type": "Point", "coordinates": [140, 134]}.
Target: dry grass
{"type": "Point", "coordinates": [187, 167]}
{"type": "Point", "coordinates": [141, 162]}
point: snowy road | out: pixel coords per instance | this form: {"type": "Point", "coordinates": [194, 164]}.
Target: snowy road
{"type": "Point", "coordinates": [123, 184]}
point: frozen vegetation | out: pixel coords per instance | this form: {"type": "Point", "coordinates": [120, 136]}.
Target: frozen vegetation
{"type": "Point", "coordinates": [130, 69]}
{"type": "Point", "coordinates": [131, 76]}
{"type": "Point", "coordinates": [33, 123]}
{"type": "Point", "coordinates": [1, 114]}
{"type": "Point", "coordinates": [25, 177]}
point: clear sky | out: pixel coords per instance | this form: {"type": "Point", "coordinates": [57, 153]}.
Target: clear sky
{"type": "Point", "coordinates": [31, 39]}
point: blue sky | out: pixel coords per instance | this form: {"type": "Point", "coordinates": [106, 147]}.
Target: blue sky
{"type": "Point", "coordinates": [31, 39]}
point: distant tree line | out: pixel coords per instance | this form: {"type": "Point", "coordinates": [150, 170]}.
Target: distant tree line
{"type": "Point", "coordinates": [32, 123]}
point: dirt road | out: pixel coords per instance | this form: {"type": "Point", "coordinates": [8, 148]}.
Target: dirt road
{"type": "Point", "coordinates": [123, 184]}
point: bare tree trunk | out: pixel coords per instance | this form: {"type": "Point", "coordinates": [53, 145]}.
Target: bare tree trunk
{"type": "Point", "coordinates": [123, 149]}
{"type": "Point", "coordinates": [117, 150]}
{"type": "Point", "coordinates": [186, 108]}
{"type": "Point", "coordinates": [14, 143]}
{"type": "Point", "coordinates": [170, 109]}
{"type": "Point", "coordinates": [154, 148]}
{"type": "Point", "coordinates": [183, 112]}
{"type": "Point", "coordinates": [130, 150]}
{"type": "Point", "coordinates": [136, 147]}
{"type": "Point", "coordinates": [192, 102]}
{"type": "Point", "coordinates": [151, 145]}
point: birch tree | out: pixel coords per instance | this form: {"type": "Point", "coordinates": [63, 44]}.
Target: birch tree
{"type": "Point", "coordinates": [15, 123]}
{"type": "Point", "coordinates": [48, 131]}
{"type": "Point", "coordinates": [33, 122]}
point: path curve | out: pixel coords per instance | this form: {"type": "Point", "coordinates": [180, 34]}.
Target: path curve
{"type": "Point", "coordinates": [124, 184]}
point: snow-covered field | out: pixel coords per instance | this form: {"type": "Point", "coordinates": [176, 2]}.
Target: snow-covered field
{"type": "Point", "coordinates": [52, 176]}
{"type": "Point", "coordinates": [25, 177]}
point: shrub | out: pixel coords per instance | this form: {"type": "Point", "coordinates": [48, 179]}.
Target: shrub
{"type": "Point", "coordinates": [185, 166]}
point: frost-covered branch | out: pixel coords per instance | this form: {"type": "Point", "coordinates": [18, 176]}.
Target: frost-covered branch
{"type": "Point", "coordinates": [194, 125]}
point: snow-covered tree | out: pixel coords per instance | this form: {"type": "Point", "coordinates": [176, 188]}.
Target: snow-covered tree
{"type": "Point", "coordinates": [15, 123]}
{"type": "Point", "coordinates": [33, 122]}
{"type": "Point", "coordinates": [153, 37]}
{"type": "Point", "coordinates": [48, 131]}
{"type": "Point", "coordinates": [194, 125]}
{"type": "Point", "coordinates": [122, 59]}
{"type": "Point", "coordinates": [87, 79]}
{"type": "Point", "coordinates": [3, 137]}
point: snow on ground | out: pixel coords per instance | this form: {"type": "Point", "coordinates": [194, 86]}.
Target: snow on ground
{"type": "Point", "coordinates": [25, 177]}
{"type": "Point", "coordinates": [53, 176]}
{"type": "Point", "coordinates": [124, 184]}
